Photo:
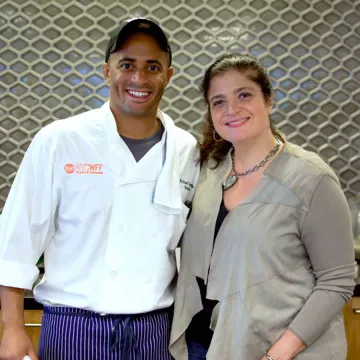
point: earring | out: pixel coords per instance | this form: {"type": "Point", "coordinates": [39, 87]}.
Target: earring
{"type": "Point", "coordinates": [214, 137]}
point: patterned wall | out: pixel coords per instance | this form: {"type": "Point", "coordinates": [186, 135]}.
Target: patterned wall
{"type": "Point", "coordinates": [51, 54]}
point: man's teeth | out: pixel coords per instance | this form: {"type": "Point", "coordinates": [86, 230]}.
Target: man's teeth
{"type": "Point", "coordinates": [138, 93]}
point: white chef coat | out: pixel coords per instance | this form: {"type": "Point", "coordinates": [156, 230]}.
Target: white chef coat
{"type": "Point", "coordinates": [108, 225]}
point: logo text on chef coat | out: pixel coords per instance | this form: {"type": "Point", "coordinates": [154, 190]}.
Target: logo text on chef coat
{"type": "Point", "coordinates": [188, 185]}
{"type": "Point", "coordinates": [84, 168]}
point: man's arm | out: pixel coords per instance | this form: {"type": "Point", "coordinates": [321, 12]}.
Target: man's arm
{"type": "Point", "coordinates": [15, 342]}
{"type": "Point", "coordinates": [12, 307]}
{"type": "Point", "coordinates": [27, 225]}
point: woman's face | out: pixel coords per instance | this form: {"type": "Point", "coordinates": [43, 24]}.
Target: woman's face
{"type": "Point", "coordinates": [238, 107]}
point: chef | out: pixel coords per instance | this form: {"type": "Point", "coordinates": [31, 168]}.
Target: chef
{"type": "Point", "coordinates": [105, 196]}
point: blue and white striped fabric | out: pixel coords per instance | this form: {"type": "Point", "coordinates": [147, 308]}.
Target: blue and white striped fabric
{"type": "Point", "coordinates": [74, 334]}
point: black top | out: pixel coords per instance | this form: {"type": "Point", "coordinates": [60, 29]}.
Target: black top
{"type": "Point", "coordinates": [199, 329]}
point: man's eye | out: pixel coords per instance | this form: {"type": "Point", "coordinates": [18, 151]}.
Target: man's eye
{"type": "Point", "coordinates": [125, 66]}
{"type": "Point", "coordinates": [153, 68]}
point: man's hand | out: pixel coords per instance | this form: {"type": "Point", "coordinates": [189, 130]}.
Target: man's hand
{"type": "Point", "coordinates": [16, 344]}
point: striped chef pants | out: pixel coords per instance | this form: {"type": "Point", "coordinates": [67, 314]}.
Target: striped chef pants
{"type": "Point", "coordinates": [75, 334]}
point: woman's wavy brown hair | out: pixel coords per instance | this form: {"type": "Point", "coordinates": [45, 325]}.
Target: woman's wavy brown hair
{"type": "Point", "coordinates": [209, 147]}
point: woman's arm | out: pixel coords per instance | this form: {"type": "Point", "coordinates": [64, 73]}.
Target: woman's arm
{"type": "Point", "coordinates": [287, 347]}
{"type": "Point", "coordinates": [327, 235]}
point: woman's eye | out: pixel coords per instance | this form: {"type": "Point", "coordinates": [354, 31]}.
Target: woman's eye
{"type": "Point", "coordinates": [244, 95]}
{"type": "Point", "coordinates": [218, 103]}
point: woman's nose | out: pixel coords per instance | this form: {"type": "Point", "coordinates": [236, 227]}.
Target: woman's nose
{"type": "Point", "coordinates": [233, 107]}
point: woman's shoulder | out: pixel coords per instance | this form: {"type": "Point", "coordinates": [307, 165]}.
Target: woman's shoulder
{"type": "Point", "coordinates": [309, 162]}
{"type": "Point", "coordinates": [299, 171]}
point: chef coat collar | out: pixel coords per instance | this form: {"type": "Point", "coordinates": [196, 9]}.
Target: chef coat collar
{"type": "Point", "coordinates": [166, 196]}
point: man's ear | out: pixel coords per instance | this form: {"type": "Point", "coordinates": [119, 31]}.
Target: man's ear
{"type": "Point", "coordinates": [106, 69]}
{"type": "Point", "coordinates": [170, 73]}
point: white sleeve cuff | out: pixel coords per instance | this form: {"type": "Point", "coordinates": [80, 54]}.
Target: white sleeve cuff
{"type": "Point", "coordinates": [14, 274]}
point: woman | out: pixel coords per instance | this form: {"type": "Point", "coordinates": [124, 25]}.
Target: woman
{"type": "Point", "coordinates": [267, 257]}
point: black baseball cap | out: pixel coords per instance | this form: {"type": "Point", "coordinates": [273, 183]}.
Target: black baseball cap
{"type": "Point", "coordinates": [136, 25]}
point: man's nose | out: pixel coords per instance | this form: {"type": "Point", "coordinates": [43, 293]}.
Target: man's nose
{"type": "Point", "coordinates": [139, 76]}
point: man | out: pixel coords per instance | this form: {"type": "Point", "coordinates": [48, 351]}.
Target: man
{"type": "Point", "coordinates": [105, 195]}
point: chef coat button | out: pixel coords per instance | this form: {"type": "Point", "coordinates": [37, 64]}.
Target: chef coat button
{"type": "Point", "coordinates": [113, 274]}
{"type": "Point", "coordinates": [120, 228]}
{"type": "Point", "coordinates": [153, 235]}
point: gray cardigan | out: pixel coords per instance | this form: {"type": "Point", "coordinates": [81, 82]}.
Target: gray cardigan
{"type": "Point", "coordinates": [283, 259]}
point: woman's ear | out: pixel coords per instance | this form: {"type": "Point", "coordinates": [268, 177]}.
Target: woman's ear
{"type": "Point", "coordinates": [270, 103]}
